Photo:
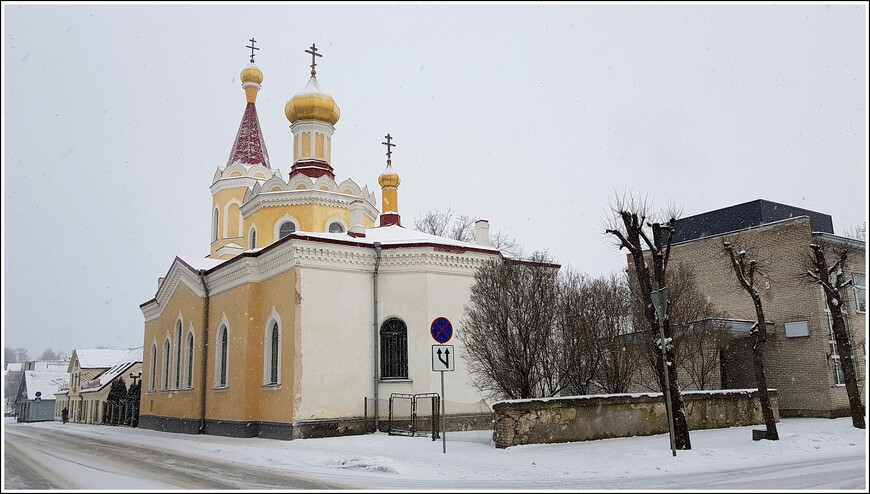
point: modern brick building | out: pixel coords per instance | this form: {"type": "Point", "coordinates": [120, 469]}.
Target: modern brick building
{"type": "Point", "coordinates": [801, 359]}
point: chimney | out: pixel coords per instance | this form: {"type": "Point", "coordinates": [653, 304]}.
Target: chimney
{"type": "Point", "coordinates": [481, 232]}
{"type": "Point", "coordinates": [357, 228]}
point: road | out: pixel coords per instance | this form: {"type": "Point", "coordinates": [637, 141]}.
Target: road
{"type": "Point", "coordinates": [49, 459]}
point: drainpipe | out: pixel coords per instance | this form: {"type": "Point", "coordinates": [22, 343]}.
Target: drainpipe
{"type": "Point", "coordinates": [204, 351]}
{"type": "Point", "coordinates": [377, 246]}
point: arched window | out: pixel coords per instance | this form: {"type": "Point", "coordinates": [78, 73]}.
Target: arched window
{"type": "Point", "coordinates": [189, 361]}
{"type": "Point", "coordinates": [178, 355]}
{"type": "Point", "coordinates": [394, 349]}
{"type": "Point", "coordinates": [274, 352]}
{"type": "Point", "coordinates": [166, 357]}
{"type": "Point", "coordinates": [286, 229]}
{"type": "Point", "coordinates": [253, 239]}
{"type": "Point", "coordinates": [214, 225]}
{"type": "Point", "coordinates": [222, 357]}
{"type": "Point", "coordinates": [153, 381]}
{"type": "Point", "coordinates": [336, 227]}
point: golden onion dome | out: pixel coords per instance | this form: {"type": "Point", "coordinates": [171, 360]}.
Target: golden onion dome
{"type": "Point", "coordinates": [389, 178]}
{"type": "Point", "coordinates": [312, 103]}
{"type": "Point", "coordinates": [251, 73]}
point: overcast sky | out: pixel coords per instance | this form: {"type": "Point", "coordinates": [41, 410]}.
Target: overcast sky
{"type": "Point", "coordinates": [115, 118]}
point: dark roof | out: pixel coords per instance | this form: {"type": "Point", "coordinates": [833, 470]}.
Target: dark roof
{"type": "Point", "coordinates": [249, 148]}
{"type": "Point", "coordinates": [747, 215]}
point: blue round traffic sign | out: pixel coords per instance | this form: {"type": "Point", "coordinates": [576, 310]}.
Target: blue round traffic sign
{"type": "Point", "coordinates": [441, 330]}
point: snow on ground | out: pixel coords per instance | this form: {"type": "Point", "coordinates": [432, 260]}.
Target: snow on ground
{"type": "Point", "coordinates": [471, 461]}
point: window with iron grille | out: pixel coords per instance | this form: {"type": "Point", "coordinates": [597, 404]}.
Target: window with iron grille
{"type": "Point", "coordinates": [287, 228]}
{"type": "Point", "coordinates": [394, 349]}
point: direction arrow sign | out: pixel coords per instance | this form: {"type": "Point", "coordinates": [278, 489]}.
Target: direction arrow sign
{"type": "Point", "coordinates": [443, 358]}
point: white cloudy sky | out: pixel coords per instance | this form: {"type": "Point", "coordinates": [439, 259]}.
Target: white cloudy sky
{"type": "Point", "coordinates": [812, 455]}
{"type": "Point", "coordinates": [115, 117]}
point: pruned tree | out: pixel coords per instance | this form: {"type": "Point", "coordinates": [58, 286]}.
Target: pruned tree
{"type": "Point", "coordinates": [747, 268]}
{"type": "Point", "coordinates": [833, 280]}
{"type": "Point", "coordinates": [509, 328]}
{"type": "Point", "coordinates": [649, 259]}
{"type": "Point", "coordinates": [444, 223]}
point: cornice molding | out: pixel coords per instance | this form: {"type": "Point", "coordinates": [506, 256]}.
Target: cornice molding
{"type": "Point", "coordinates": [306, 253]}
{"type": "Point", "coordinates": [306, 197]}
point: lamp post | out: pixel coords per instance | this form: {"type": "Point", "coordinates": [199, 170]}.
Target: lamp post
{"type": "Point", "coordinates": [136, 377]}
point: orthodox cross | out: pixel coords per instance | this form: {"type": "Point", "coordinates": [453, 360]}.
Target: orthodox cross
{"type": "Point", "coordinates": [389, 145]}
{"type": "Point", "coordinates": [253, 41]}
{"type": "Point", "coordinates": [313, 52]}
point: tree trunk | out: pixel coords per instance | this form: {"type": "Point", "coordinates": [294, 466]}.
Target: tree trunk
{"type": "Point", "coordinates": [759, 336]}
{"type": "Point", "coordinates": [844, 349]}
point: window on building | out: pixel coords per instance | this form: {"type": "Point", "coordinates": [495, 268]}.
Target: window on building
{"type": "Point", "coordinates": [832, 348]}
{"type": "Point", "coordinates": [222, 357]}
{"type": "Point", "coordinates": [336, 227]}
{"type": "Point", "coordinates": [274, 352]}
{"type": "Point", "coordinates": [394, 349]}
{"type": "Point", "coordinates": [286, 229]}
{"type": "Point", "coordinates": [214, 225]}
{"type": "Point", "coordinates": [153, 381]}
{"type": "Point", "coordinates": [253, 239]}
{"type": "Point", "coordinates": [166, 358]}
{"type": "Point", "coordinates": [860, 284]}
{"type": "Point", "coordinates": [189, 361]}
{"type": "Point", "coordinates": [178, 355]}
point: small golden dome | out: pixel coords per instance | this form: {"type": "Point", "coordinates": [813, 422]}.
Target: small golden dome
{"type": "Point", "coordinates": [312, 103]}
{"type": "Point", "coordinates": [389, 178]}
{"type": "Point", "coordinates": [251, 73]}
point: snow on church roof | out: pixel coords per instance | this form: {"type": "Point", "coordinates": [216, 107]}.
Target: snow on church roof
{"type": "Point", "coordinates": [397, 235]}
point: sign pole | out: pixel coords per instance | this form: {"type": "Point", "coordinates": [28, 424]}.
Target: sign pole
{"type": "Point", "coordinates": [443, 408]}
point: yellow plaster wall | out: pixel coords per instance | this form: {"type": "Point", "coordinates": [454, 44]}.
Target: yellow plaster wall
{"type": "Point", "coordinates": [318, 145]}
{"type": "Point", "coordinates": [247, 309]}
{"type": "Point", "coordinates": [219, 200]}
{"type": "Point", "coordinates": [182, 403]}
{"type": "Point", "coordinates": [310, 218]}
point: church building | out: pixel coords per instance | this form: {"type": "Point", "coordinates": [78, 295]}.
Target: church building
{"type": "Point", "coordinates": [312, 306]}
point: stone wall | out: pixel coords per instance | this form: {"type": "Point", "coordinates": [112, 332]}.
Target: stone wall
{"type": "Point", "coordinates": [582, 418]}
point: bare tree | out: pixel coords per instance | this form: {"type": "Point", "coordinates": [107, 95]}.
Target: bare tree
{"type": "Point", "coordinates": [629, 226]}
{"type": "Point", "coordinates": [833, 279]}
{"type": "Point", "coordinates": [444, 223]}
{"type": "Point", "coordinates": [13, 355]}
{"type": "Point", "coordinates": [746, 268]}
{"type": "Point", "coordinates": [698, 329]}
{"type": "Point", "coordinates": [610, 300]}
{"type": "Point", "coordinates": [577, 330]}
{"type": "Point", "coordinates": [49, 354]}
{"type": "Point", "coordinates": [858, 232]}
{"type": "Point", "coordinates": [508, 328]}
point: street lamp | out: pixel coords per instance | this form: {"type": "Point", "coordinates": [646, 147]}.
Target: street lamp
{"type": "Point", "coordinates": [136, 377]}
